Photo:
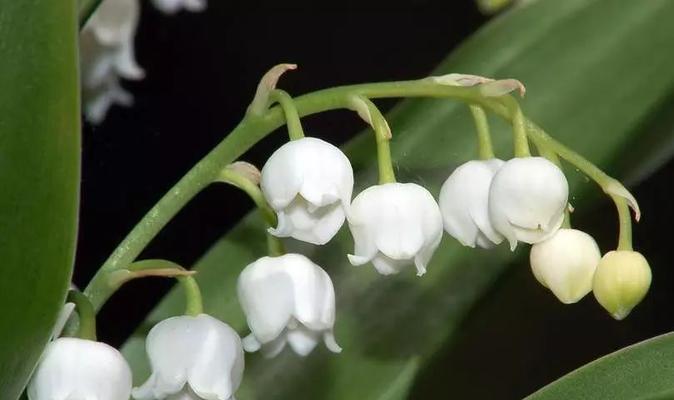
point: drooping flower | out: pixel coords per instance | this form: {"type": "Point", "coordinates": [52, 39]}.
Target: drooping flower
{"type": "Point", "coordinates": [622, 280]}
{"type": "Point", "coordinates": [107, 55]}
{"type": "Point", "coordinates": [287, 299]}
{"type": "Point", "coordinates": [173, 6]}
{"type": "Point", "coordinates": [527, 199]}
{"type": "Point", "coordinates": [73, 368]}
{"type": "Point", "coordinates": [464, 203]}
{"type": "Point", "coordinates": [107, 52]}
{"type": "Point", "coordinates": [308, 182]}
{"type": "Point", "coordinates": [394, 225]}
{"type": "Point", "coordinates": [565, 263]}
{"type": "Point", "coordinates": [192, 358]}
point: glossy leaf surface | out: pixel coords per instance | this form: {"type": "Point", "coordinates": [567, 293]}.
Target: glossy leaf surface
{"type": "Point", "coordinates": [39, 175]}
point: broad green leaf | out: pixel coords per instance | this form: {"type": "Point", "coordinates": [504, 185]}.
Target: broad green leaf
{"type": "Point", "coordinates": [39, 176]}
{"type": "Point", "coordinates": [588, 67]}
{"type": "Point", "coordinates": [643, 371]}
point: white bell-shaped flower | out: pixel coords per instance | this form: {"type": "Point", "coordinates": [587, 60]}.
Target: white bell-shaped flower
{"type": "Point", "coordinates": [308, 182]}
{"type": "Point", "coordinates": [565, 263]}
{"type": "Point", "coordinates": [107, 55]}
{"type": "Point", "coordinates": [394, 225]}
{"type": "Point", "coordinates": [527, 199]}
{"type": "Point", "coordinates": [464, 203]}
{"type": "Point", "coordinates": [173, 6]}
{"type": "Point", "coordinates": [192, 358]}
{"type": "Point", "coordinates": [74, 369]}
{"type": "Point", "coordinates": [107, 52]}
{"type": "Point", "coordinates": [287, 299]}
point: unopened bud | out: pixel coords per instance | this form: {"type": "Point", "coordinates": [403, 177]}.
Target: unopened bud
{"type": "Point", "coordinates": [621, 281]}
{"type": "Point", "coordinates": [565, 263]}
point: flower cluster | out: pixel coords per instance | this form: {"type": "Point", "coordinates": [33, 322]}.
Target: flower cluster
{"type": "Point", "coordinates": [305, 189]}
{"type": "Point", "coordinates": [525, 199]}
{"type": "Point", "coordinates": [107, 52]}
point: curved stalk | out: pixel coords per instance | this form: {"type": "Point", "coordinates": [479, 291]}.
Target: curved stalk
{"type": "Point", "coordinates": [625, 223]}
{"type": "Point", "coordinates": [622, 198]}
{"type": "Point", "coordinates": [253, 191]}
{"type": "Point", "coordinates": [230, 176]}
{"type": "Point", "coordinates": [86, 313]}
{"type": "Point", "coordinates": [293, 122]}
{"type": "Point", "coordinates": [169, 269]}
{"type": "Point", "coordinates": [382, 132]}
{"type": "Point", "coordinates": [193, 301]}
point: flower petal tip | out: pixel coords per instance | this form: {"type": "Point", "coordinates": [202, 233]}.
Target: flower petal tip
{"type": "Point", "coordinates": [331, 343]}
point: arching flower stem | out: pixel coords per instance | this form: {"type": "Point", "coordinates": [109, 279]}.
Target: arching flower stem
{"type": "Point", "coordinates": [255, 126]}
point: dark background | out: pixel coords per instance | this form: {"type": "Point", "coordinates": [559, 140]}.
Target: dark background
{"type": "Point", "coordinates": [202, 70]}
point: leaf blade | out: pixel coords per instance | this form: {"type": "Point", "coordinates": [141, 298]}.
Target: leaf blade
{"type": "Point", "coordinates": [641, 371]}
{"type": "Point", "coordinates": [39, 171]}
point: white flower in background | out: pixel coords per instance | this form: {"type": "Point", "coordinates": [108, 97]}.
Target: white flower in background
{"type": "Point", "coordinates": [287, 299]}
{"type": "Point", "coordinates": [107, 52]}
{"type": "Point", "coordinates": [527, 199]}
{"type": "Point", "coordinates": [192, 358]}
{"type": "Point", "coordinates": [73, 368]}
{"type": "Point", "coordinates": [308, 182]}
{"type": "Point", "coordinates": [565, 263]}
{"type": "Point", "coordinates": [464, 203]}
{"type": "Point", "coordinates": [173, 6]}
{"type": "Point", "coordinates": [622, 280]}
{"type": "Point", "coordinates": [107, 55]}
{"type": "Point", "coordinates": [394, 225]}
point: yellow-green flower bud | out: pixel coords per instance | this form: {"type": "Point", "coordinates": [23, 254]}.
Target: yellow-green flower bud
{"type": "Point", "coordinates": [566, 264]}
{"type": "Point", "coordinates": [621, 281]}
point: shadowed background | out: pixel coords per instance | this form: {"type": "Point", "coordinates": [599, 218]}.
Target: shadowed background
{"type": "Point", "coordinates": [201, 73]}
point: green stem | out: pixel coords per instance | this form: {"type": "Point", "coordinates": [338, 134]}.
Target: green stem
{"type": "Point", "coordinates": [86, 9]}
{"type": "Point", "coordinates": [293, 122]}
{"type": "Point", "coordinates": [382, 134]}
{"type": "Point", "coordinates": [86, 313]}
{"type": "Point", "coordinates": [230, 176]}
{"type": "Point", "coordinates": [606, 182]}
{"type": "Point", "coordinates": [193, 301]}
{"type": "Point", "coordinates": [520, 140]}
{"type": "Point", "coordinates": [193, 298]}
{"type": "Point", "coordinates": [253, 191]}
{"type": "Point", "coordinates": [484, 146]}
{"type": "Point", "coordinates": [251, 130]}
{"type": "Point", "coordinates": [625, 221]}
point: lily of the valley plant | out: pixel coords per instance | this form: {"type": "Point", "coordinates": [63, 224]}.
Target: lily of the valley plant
{"type": "Point", "coordinates": [305, 193]}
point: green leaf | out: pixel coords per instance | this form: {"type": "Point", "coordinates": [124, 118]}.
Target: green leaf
{"type": "Point", "coordinates": [588, 67]}
{"type": "Point", "coordinates": [39, 173]}
{"type": "Point", "coordinates": [638, 372]}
